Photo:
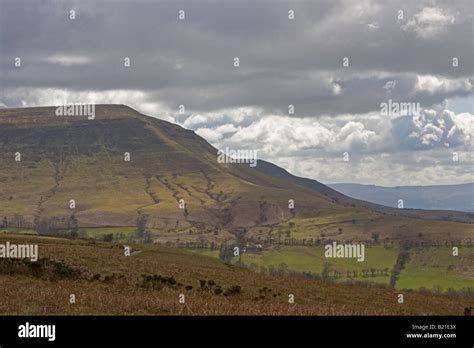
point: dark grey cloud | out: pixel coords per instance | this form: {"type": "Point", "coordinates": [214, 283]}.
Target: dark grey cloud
{"type": "Point", "coordinates": [282, 62]}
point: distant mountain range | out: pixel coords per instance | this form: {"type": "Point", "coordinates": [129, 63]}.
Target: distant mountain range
{"type": "Point", "coordinates": [346, 200]}
{"type": "Point", "coordinates": [438, 197]}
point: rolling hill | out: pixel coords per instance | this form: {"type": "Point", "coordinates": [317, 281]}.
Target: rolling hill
{"type": "Point", "coordinates": [383, 204]}
{"type": "Point", "coordinates": [445, 197]}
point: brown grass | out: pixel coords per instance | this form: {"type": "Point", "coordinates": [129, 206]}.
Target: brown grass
{"type": "Point", "coordinates": [121, 293]}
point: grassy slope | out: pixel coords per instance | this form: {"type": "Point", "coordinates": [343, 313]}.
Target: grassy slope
{"type": "Point", "coordinates": [437, 269]}
{"type": "Point", "coordinates": [361, 225]}
{"type": "Point", "coordinates": [305, 259]}
{"type": "Point", "coordinates": [431, 268]}
{"type": "Point", "coordinates": [24, 294]}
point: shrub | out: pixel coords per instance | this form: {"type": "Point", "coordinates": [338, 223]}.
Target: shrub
{"type": "Point", "coordinates": [233, 290]}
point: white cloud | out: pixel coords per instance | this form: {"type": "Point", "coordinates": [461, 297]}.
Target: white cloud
{"type": "Point", "coordinates": [354, 136]}
{"type": "Point", "coordinates": [432, 129]}
{"type": "Point", "coordinates": [373, 26]}
{"type": "Point", "coordinates": [401, 151]}
{"type": "Point", "coordinates": [136, 99]}
{"type": "Point", "coordinates": [216, 134]}
{"type": "Point", "coordinates": [68, 60]}
{"type": "Point", "coordinates": [429, 22]}
{"type": "Point", "coordinates": [435, 84]}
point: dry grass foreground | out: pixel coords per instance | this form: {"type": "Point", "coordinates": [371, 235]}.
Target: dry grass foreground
{"type": "Point", "coordinates": [106, 282]}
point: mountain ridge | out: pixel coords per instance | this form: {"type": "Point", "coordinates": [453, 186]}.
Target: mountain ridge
{"type": "Point", "coordinates": [458, 197]}
{"type": "Point", "coordinates": [73, 158]}
{"type": "Point", "coordinates": [274, 170]}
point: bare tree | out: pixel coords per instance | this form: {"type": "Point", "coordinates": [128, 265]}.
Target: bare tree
{"type": "Point", "coordinates": [18, 221]}
{"type": "Point", "coordinates": [141, 225]}
{"type": "Point", "coordinates": [326, 269]}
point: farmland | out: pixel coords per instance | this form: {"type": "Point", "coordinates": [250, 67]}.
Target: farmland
{"type": "Point", "coordinates": [437, 269]}
{"type": "Point", "coordinates": [432, 268]}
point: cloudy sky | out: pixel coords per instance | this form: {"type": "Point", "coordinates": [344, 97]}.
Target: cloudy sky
{"type": "Point", "coordinates": [417, 52]}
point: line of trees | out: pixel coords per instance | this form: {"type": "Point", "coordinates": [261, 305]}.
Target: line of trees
{"type": "Point", "coordinates": [402, 259]}
{"type": "Point", "coordinates": [17, 221]}
{"type": "Point", "coordinates": [64, 226]}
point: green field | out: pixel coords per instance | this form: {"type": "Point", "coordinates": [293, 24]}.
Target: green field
{"type": "Point", "coordinates": [206, 252]}
{"type": "Point", "coordinates": [431, 268]}
{"type": "Point", "coordinates": [305, 259]}
{"type": "Point", "coordinates": [311, 259]}
{"type": "Point", "coordinates": [17, 230]}
{"type": "Point", "coordinates": [437, 269]}
{"type": "Point", "coordinates": [90, 232]}
{"type": "Point", "coordinates": [118, 232]}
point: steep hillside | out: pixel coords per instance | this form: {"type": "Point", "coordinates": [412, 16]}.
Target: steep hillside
{"type": "Point", "coordinates": [64, 158]}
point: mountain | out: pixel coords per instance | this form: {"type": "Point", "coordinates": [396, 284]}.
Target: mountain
{"type": "Point", "coordinates": [445, 197]}
{"type": "Point", "coordinates": [340, 195]}
{"type": "Point", "coordinates": [64, 158]}
{"type": "Point", "coordinates": [74, 171]}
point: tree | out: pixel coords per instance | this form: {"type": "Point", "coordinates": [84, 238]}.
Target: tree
{"type": "Point", "coordinates": [375, 236]}
{"type": "Point", "coordinates": [226, 254]}
{"type": "Point", "coordinates": [148, 238]}
{"type": "Point", "coordinates": [74, 226]}
{"type": "Point", "coordinates": [282, 268]}
{"type": "Point", "coordinates": [43, 225]}
{"type": "Point", "coordinates": [81, 233]}
{"type": "Point", "coordinates": [108, 237]}
{"type": "Point", "coordinates": [326, 270]}
{"type": "Point", "coordinates": [141, 225]}
{"type": "Point", "coordinates": [18, 221]}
